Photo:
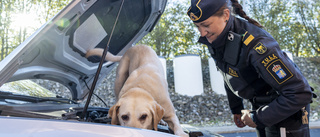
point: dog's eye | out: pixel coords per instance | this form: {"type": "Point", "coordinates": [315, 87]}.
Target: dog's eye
{"type": "Point", "coordinates": [125, 117]}
{"type": "Point", "coordinates": [143, 117]}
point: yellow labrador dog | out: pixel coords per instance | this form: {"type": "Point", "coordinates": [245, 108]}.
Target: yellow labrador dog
{"type": "Point", "coordinates": [141, 91]}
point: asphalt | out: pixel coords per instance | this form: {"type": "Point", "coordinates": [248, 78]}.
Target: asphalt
{"type": "Point", "coordinates": [235, 129]}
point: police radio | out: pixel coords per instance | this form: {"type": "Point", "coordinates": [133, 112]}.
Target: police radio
{"type": "Point", "coordinates": [232, 48]}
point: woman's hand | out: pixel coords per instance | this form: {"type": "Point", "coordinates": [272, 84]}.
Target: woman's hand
{"type": "Point", "coordinates": [246, 118]}
{"type": "Point", "coordinates": [237, 120]}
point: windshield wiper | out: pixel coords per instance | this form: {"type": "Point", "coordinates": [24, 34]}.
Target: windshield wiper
{"type": "Point", "coordinates": [9, 95]}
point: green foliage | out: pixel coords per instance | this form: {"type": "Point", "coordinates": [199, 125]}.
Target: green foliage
{"type": "Point", "coordinates": [291, 23]}
{"type": "Point", "coordinates": [175, 33]}
{"type": "Point", "coordinates": [20, 18]}
{"type": "Point", "coordinates": [309, 12]}
{"type": "Point", "coordinates": [294, 24]}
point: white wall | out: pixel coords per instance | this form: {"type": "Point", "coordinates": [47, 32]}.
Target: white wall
{"type": "Point", "coordinates": [164, 65]}
{"type": "Point", "coordinates": [216, 78]}
{"type": "Point", "coordinates": [289, 55]}
{"type": "Point", "coordinates": [188, 74]}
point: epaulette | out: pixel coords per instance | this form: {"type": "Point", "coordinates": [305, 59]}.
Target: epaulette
{"type": "Point", "coordinates": [247, 38]}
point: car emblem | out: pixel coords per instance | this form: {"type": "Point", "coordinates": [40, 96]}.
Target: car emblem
{"type": "Point", "coordinates": [230, 37]}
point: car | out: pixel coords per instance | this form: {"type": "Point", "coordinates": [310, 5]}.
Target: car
{"type": "Point", "coordinates": [56, 52]}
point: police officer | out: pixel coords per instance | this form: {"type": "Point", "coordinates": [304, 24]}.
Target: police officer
{"type": "Point", "coordinates": [254, 68]}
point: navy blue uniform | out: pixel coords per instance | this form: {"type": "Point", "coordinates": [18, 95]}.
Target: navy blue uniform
{"type": "Point", "coordinates": [255, 67]}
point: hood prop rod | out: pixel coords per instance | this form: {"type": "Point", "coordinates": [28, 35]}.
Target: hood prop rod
{"type": "Point", "coordinates": [100, 66]}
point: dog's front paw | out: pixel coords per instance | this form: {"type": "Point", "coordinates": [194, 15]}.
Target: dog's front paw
{"type": "Point", "coordinates": [163, 123]}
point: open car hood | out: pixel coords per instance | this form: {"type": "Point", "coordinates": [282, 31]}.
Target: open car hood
{"type": "Point", "coordinates": [56, 50]}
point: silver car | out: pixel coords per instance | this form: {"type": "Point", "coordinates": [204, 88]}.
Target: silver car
{"type": "Point", "coordinates": [56, 52]}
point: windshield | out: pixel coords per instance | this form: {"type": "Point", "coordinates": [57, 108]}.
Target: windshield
{"type": "Point", "coordinates": [36, 88]}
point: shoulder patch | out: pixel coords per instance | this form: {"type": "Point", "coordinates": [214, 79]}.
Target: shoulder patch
{"type": "Point", "coordinates": [268, 59]}
{"type": "Point", "coordinates": [279, 71]}
{"type": "Point", "coordinates": [233, 72]}
{"type": "Point", "coordinates": [260, 48]}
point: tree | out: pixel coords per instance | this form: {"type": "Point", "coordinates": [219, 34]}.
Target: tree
{"type": "Point", "coordinates": [291, 31]}
{"type": "Point", "coordinates": [175, 33]}
{"type": "Point", "coordinates": [294, 24]}
{"type": "Point", "coordinates": [309, 15]}
{"type": "Point", "coordinates": [4, 24]}
{"type": "Point", "coordinates": [14, 25]}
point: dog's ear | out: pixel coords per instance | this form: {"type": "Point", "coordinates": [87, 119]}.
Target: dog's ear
{"type": "Point", "coordinates": [113, 113]}
{"type": "Point", "coordinates": [157, 113]}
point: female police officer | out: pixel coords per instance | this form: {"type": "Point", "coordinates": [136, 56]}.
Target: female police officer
{"type": "Point", "coordinates": [254, 68]}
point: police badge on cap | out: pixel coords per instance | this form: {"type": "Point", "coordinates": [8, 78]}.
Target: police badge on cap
{"type": "Point", "coordinates": [201, 10]}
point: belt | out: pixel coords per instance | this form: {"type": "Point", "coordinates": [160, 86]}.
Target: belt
{"type": "Point", "coordinates": [264, 99]}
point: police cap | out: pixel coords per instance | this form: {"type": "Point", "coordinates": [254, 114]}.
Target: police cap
{"type": "Point", "coordinates": [201, 10]}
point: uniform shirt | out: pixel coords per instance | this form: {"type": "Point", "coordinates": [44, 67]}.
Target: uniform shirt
{"type": "Point", "coordinates": [258, 67]}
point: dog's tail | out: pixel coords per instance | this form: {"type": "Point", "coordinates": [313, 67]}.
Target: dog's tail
{"type": "Point", "coordinates": [99, 52]}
